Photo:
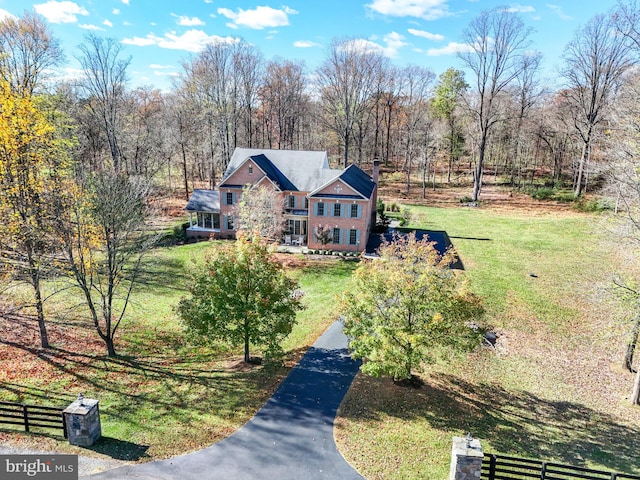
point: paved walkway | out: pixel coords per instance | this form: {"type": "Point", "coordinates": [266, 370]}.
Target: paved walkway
{"type": "Point", "coordinates": [291, 437]}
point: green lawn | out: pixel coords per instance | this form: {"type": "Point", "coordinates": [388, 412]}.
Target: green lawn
{"type": "Point", "coordinates": [164, 394]}
{"type": "Point", "coordinates": [552, 389]}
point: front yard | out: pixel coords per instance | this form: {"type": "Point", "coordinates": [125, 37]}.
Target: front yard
{"type": "Point", "coordinates": [552, 388]}
{"type": "Point", "coordinates": [164, 394]}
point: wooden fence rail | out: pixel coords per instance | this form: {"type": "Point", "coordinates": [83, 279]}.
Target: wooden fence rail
{"type": "Point", "coordinates": [32, 416]}
{"type": "Point", "coordinates": [499, 467]}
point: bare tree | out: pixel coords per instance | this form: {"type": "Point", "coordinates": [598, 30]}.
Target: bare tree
{"type": "Point", "coordinates": [28, 50]}
{"type": "Point", "coordinates": [105, 78]}
{"type": "Point", "coordinates": [526, 93]}
{"type": "Point", "coordinates": [104, 235]}
{"type": "Point", "coordinates": [345, 86]}
{"type": "Point", "coordinates": [596, 60]}
{"type": "Point", "coordinates": [624, 185]}
{"type": "Point", "coordinates": [282, 98]}
{"type": "Point", "coordinates": [415, 91]}
{"type": "Point", "coordinates": [497, 41]}
{"type": "Point", "coordinates": [248, 65]}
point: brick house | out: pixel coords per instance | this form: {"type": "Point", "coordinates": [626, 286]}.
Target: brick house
{"type": "Point", "coordinates": [314, 196]}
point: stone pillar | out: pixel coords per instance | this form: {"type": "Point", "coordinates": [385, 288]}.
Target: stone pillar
{"type": "Point", "coordinates": [82, 419]}
{"type": "Point", "coordinates": [466, 458]}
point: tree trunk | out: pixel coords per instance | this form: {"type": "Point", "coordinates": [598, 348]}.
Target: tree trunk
{"type": "Point", "coordinates": [477, 178]}
{"type": "Point", "coordinates": [631, 346]}
{"type": "Point", "coordinates": [635, 396]}
{"type": "Point", "coordinates": [35, 283]}
{"type": "Point", "coordinates": [111, 351]}
{"type": "Point", "coordinates": [579, 180]}
{"type": "Point", "coordinates": [246, 349]}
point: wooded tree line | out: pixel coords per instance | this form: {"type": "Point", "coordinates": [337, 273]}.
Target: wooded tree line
{"type": "Point", "coordinates": [499, 118]}
{"type": "Point", "coordinates": [68, 146]}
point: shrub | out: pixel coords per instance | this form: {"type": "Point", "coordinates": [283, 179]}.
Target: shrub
{"type": "Point", "coordinates": [595, 205]}
{"type": "Point", "coordinates": [543, 193]}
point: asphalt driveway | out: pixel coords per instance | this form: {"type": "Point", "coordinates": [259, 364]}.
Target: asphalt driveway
{"type": "Point", "coordinates": [291, 437]}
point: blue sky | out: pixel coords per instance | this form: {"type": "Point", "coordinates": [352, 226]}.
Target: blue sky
{"type": "Point", "coordinates": [160, 34]}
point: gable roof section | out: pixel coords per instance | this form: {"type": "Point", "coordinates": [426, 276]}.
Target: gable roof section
{"type": "Point", "coordinates": [299, 170]}
{"type": "Point", "coordinates": [304, 170]}
{"type": "Point", "coordinates": [354, 177]}
{"type": "Point", "coordinates": [358, 180]}
{"type": "Point", "coordinates": [204, 201]}
{"type": "Point", "coordinates": [272, 172]}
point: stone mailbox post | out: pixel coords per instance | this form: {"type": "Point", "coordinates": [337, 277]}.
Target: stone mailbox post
{"type": "Point", "coordinates": [82, 419]}
{"type": "Point", "coordinates": [466, 458]}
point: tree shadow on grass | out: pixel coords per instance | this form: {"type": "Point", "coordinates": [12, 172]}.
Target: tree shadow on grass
{"type": "Point", "coordinates": [510, 422]}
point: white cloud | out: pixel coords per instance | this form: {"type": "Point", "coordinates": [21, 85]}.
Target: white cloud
{"type": "Point", "coordinates": [67, 74]}
{"type": "Point", "coordinates": [161, 73]}
{"type": "Point", "coordinates": [425, 9]}
{"type": "Point", "coordinates": [60, 12]}
{"type": "Point", "coordinates": [116, 11]}
{"type": "Point", "coordinates": [305, 44]}
{"type": "Point", "coordinates": [521, 9]}
{"type": "Point", "coordinates": [259, 18]}
{"type": "Point", "coordinates": [394, 42]}
{"type": "Point", "coordinates": [126, 2]}
{"type": "Point", "coordinates": [189, 22]}
{"type": "Point", "coordinates": [557, 9]}
{"type": "Point", "coordinates": [364, 46]}
{"type": "Point", "coordinates": [107, 23]}
{"type": "Point", "coordinates": [86, 26]}
{"type": "Point", "coordinates": [190, 41]}
{"type": "Point", "coordinates": [4, 14]}
{"type": "Point", "coordinates": [451, 49]}
{"type": "Point", "coordinates": [428, 35]}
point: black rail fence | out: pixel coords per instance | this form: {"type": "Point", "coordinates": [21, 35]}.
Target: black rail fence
{"type": "Point", "coordinates": [29, 416]}
{"type": "Point", "coordinates": [499, 467]}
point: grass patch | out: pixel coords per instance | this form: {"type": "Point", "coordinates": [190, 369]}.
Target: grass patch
{"type": "Point", "coordinates": [550, 390]}
{"type": "Point", "coordinates": [165, 394]}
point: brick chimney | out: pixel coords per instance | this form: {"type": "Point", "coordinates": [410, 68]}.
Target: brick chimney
{"type": "Point", "coordinates": [374, 195]}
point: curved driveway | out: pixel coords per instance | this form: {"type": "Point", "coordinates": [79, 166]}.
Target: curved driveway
{"type": "Point", "coordinates": [291, 437]}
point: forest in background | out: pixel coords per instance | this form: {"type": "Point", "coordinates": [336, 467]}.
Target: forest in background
{"type": "Point", "coordinates": [494, 118]}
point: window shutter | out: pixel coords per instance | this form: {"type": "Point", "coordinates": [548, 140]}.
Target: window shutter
{"type": "Point", "coordinates": [225, 223]}
{"type": "Point", "coordinates": [359, 211]}
{"type": "Point", "coordinates": [357, 237]}
{"type": "Point", "coordinates": [233, 198]}
{"type": "Point", "coordinates": [315, 209]}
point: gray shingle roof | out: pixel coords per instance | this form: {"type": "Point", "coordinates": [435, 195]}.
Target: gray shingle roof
{"type": "Point", "coordinates": [299, 170]}
{"type": "Point", "coordinates": [204, 201]}
{"type": "Point", "coordinates": [302, 168]}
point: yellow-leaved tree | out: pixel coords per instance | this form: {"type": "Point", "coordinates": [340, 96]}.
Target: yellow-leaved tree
{"type": "Point", "coordinates": [32, 162]}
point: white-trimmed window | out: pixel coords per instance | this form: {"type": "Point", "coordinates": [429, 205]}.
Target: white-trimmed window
{"type": "Point", "coordinates": [291, 201]}
{"type": "Point", "coordinates": [208, 220]}
{"type": "Point", "coordinates": [230, 198]}
{"type": "Point", "coordinates": [354, 211]}
{"type": "Point", "coordinates": [353, 236]}
{"type": "Point", "coordinates": [320, 209]}
{"type": "Point", "coordinates": [337, 209]}
{"type": "Point", "coordinates": [335, 237]}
